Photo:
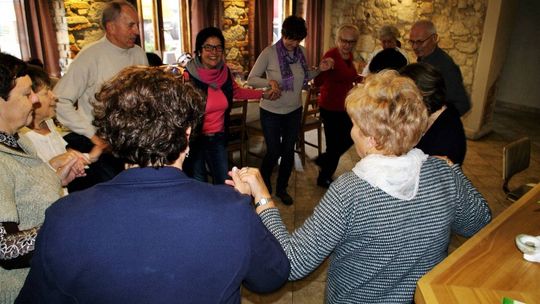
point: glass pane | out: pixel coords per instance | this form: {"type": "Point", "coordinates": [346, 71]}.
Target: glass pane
{"type": "Point", "coordinates": [276, 22]}
{"type": "Point", "coordinates": [171, 27]}
{"type": "Point", "coordinates": [149, 25]}
{"type": "Point", "coordinates": [9, 40]}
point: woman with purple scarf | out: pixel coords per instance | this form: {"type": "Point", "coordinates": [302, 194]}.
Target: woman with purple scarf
{"type": "Point", "coordinates": [283, 66]}
{"type": "Point", "coordinates": [208, 72]}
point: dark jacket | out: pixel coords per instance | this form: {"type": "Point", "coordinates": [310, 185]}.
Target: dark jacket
{"type": "Point", "coordinates": [153, 236]}
{"type": "Point", "coordinates": [455, 91]}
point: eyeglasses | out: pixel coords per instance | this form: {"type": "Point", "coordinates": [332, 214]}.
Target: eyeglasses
{"type": "Point", "coordinates": [413, 42]}
{"type": "Point", "coordinates": [345, 41]}
{"type": "Point", "coordinates": [210, 48]}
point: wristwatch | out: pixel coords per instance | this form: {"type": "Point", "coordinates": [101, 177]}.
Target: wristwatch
{"type": "Point", "coordinates": [262, 202]}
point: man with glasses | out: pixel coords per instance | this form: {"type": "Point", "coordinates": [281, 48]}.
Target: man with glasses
{"type": "Point", "coordinates": [95, 64]}
{"type": "Point", "coordinates": [424, 40]}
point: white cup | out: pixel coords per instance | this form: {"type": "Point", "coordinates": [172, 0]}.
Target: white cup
{"type": "Point", "coordinates": [530, 246]}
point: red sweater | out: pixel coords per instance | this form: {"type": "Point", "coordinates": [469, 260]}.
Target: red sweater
{"type": "Point", "coordinates": [336, 83]}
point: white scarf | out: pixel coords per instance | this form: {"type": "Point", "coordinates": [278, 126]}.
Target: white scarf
{"type": "Point", "coordinates": [398, 176]}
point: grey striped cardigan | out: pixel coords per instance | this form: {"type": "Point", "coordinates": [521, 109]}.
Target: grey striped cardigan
{"type": "Point", "coordinates": [380, 246]}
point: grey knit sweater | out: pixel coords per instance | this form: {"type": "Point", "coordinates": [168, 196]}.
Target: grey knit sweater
{"type": "Point", "coordinates": [27, 187]}
{"type": "Point", "coordinates": [380, 246]}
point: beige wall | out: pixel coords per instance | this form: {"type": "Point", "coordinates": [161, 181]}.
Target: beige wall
{"type": "Point", "coordinates": [519, 83]}
{"type": "Point", "coordinates": [492, 53]}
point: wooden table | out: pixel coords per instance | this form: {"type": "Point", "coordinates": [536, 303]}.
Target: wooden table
{"type": "Point", "coordinates": [488, 266]}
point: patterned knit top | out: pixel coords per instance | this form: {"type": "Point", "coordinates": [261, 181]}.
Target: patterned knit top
{"type": "Point", "coordinates": [379, 246]}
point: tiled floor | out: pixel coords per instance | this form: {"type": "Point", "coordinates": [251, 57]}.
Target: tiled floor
{"type": "Point", "coordinates": [482, 165]}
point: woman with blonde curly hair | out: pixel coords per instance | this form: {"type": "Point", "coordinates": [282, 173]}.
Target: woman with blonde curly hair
{"type": "Point", "coordinates": [386, 222]}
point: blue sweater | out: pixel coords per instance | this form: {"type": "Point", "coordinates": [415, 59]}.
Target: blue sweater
{"type": "Point", "coordinates": [379, 246]}
{"type": "Point", "coordinates": [153, 236]}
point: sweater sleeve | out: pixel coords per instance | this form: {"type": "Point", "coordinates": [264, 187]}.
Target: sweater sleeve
{"type": "Point", "coordinates": [16, 247]}
{"type": "Point", "coordinates": [309, 245]}
{"type": "Point", "coordinates": [472, 210]}
{"type": "Point", "coordinates": [244, 93]}
{"type": "Point", "coordinates": [69, 90]}
{"type": "Point", "coordinates": [455, 89]}
{"type": "Point", "coordinates": [255, 77]}
{"type": "Point", "coordinates": [268, 267]}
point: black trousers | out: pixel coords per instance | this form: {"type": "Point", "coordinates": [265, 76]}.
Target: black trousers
{"type": "Point", "coordinates": [102, 170]}
{"type": "Point", "coordinates": [337, 132]}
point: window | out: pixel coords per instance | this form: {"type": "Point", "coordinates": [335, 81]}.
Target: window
{"type": "Point", "coordinates": [282, 9]}
{"type": "Point", "coordinates": [165, 30]}
{"type": "Point", "coordinates": [9, 37]}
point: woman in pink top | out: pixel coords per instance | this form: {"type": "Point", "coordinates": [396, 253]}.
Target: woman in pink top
{"type": "Point", "coordinates": [208, 72]}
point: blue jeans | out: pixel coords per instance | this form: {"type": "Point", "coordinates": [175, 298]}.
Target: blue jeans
{"type": "Point", "coordinates": [208, 151]}
{"type": "Point", "coordinates": [280, 134]}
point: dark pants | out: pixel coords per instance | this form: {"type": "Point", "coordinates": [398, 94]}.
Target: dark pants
{"type": "Point", "coordinates": [102, 170]}
{"type": "Point", "coordinates": [337, 131]}
{"type": "Point", "coordinates": [208, 151]}
{"type": "Point", "coordinates": [280, 134]}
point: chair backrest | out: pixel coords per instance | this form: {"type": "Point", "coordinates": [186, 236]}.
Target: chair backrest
{"type": "Point", "coordinates": [237, 122]}
{"type": "Point", "coordinates": [311, 106]}
{"type": "Point", "coordinates": [516, 158]}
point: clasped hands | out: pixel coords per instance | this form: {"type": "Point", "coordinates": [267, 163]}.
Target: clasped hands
{"type": "Point", "coordinates": [274, 92]}
{"type": "Point", "coordinates": [69, 165]}
{"type": "Point", "coordinates": [249, 181]}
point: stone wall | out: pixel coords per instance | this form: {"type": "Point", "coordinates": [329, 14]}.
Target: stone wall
{"type": "Point", "coordinates": [83, 19]}
{"type": "Point", "coordinates": [62, 35]}
{"type": "Point", "coordinates": [235, 29]}
{"type": "Point", "coordinates": [459, 24]}
{"type": "Point", "coordinates": [77, 23]}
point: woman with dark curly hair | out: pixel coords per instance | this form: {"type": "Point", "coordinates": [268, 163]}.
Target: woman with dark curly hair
{"type": "Point", "coordinates": [283, 68]}
{"type": "Point", "coordinates": [152, 234]}
{"type": "Point", "coordinates": [208, 72]}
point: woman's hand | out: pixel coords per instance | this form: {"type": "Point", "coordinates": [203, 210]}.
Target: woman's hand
{"type": "Point", "coordinates": [249, 181]}
{"type": "Point", "coordinates": [237, 182]}
{"type": "Point", "coordinates": [445, 158]}
{"type": "Point", "coordinates": [326, 64]}
{"type": "Point", "coordinates": [271, 94]}
{"type": "Point", "coordinates": [100, 146]}
{"type": "Point", "coordinates": [274, 92]}
{"type": "Point", "coordinates": [61, 159]}
{"type": "Point", "coordinates": [72, 169]}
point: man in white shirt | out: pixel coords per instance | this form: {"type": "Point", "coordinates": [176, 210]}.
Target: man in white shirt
{"type": "Point", "coordinates": [94, 65]}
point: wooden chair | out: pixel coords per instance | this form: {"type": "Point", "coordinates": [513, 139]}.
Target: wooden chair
{"type": "Point", "coordinates": [516, 158]}
{"type": "Point", "coordinates": [310, 121]}
{"type": "Point", "coordinates": [237, 140]}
